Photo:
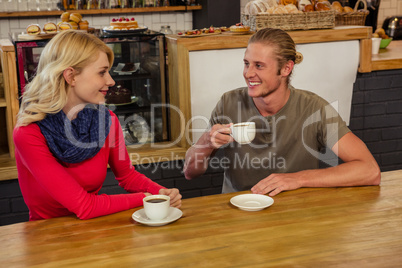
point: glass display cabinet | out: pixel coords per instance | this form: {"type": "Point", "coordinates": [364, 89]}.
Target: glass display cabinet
{"type": "Point", "coordinates": [139, 97]}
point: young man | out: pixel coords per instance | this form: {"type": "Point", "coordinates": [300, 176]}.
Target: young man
{"type": "Point", "coordinates": [292, 127]}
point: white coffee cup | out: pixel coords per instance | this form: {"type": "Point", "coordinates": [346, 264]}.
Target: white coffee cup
{"type": "Point", "coordinates": [244, 132]}
{"type": "Point", "coordinates": [375, 45]}
{"type": "Point", "coordinates": [156, 207]}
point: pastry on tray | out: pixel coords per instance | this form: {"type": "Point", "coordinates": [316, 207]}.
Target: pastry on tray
{"type": "Point", "coordinates": [33, 29]}
{"type": "Point", "coordinates": [118, 95]}
{"type": "Point", "coordinates": [239, 27]}
{"type": "Point", "coordinates": [50, 27]}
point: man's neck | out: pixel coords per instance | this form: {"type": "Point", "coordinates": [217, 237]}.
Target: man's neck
{"type": "Point", "coordinates": [273, 103]}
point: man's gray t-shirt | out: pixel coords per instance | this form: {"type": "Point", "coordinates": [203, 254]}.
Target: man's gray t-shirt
{"type": "Point", "coordinates": [288, 141]}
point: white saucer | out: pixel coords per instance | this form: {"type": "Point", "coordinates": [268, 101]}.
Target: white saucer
{"type": "Point", "coordinates": [251, 202]}
{"type": "Point", "coordinates": [174, 215]}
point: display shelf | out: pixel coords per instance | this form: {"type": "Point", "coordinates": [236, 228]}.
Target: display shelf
{"type": "Point", "coordinates": [8, 168]}
{"type": "Point", "coordinates": [10, 100]}
{"type": "Point", "coordinates": [100, 11]}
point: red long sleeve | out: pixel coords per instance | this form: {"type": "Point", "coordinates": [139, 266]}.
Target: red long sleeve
{"type": "Point", "coordinates": [52, 188]}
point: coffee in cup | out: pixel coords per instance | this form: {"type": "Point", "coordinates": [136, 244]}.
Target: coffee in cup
{"type": "Point", "coordinates": [156, 207]}
{"type": "Point", "coordinates": [244, 132]}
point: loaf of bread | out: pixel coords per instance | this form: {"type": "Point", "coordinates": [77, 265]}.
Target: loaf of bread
{"type": "Point", "coordinates": [337, 7]}
{"type": "Point", "coordinates": [322, 6]}
{"type": "Point", "coordinates": [259, 6]}
{"type": "Point", "coordinates": [348, 9]}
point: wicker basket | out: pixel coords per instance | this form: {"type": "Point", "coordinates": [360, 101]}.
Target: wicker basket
{"type": "Point", "coordinates": [290, 21]}
{"type": "Point", "coordinates": [357, 17]}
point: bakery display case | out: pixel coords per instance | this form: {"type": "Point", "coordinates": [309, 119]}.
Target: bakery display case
{"type": "Point", "coordinates": [139, 97]}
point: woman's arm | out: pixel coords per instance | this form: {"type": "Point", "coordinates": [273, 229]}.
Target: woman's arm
{"type": "Point", "coordinates": [46, 172]}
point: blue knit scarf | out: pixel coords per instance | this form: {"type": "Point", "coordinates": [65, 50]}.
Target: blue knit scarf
{"type": "Point", "coordinates": [80, 139]}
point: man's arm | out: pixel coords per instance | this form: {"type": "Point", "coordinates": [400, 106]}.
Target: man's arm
{"type": "Point", "coordinates": [197, 156]}
{"type": "Point", "coordinates": [359, 168]}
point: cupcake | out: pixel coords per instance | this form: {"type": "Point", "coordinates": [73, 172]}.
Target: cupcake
{"type": "Point", "coordinates": [74, 25]}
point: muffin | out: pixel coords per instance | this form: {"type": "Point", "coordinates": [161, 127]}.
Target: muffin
{"type": "Point", "coordinates": [65, 16]}
{"type": "Point", "coordinates": [76, 17]}
{"type": "Point", "coordinates": [83, 25]}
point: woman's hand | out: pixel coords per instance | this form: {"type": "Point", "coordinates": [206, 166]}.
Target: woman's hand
{"type": "Point", "coordinates": [175, 196]}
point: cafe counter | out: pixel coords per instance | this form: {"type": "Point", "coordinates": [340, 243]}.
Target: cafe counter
{"type": "Point", "coordinates": [389, 58]}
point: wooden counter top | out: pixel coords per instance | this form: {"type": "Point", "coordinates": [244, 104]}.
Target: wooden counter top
{"type": "Point", "coordinates": [228, 40]}
{"type": "Point", "coordinates": [388, 58]}
{"type": "Point", "coordinates": [308, 227]}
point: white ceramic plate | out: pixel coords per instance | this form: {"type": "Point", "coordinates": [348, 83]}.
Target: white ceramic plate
{"type": "Point", "coordinates": [174, 215]}
{"type": "Point", "coordinates": [251, 202]}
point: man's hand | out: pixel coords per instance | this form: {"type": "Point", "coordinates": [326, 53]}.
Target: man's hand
{"type": "Point", "coordinates": [276, 183]}
{"type": "Point", "coordinates": [218, 136]}
{"type": "Point", "coordinates": [175, 196]}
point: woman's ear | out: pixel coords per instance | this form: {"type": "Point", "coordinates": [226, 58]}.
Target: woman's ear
{"type": "Point", "coordinates": [69, 76]}
{"type": "Point", "coordinates": [287, 68]}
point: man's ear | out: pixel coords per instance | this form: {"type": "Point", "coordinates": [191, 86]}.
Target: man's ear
{"type": "Point", "coordinates": [287, 68]}
{"type": "Point", "coordinates": [69, 76]}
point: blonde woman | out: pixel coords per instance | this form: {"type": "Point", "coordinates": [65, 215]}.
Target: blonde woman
{"type": "Point", "coordinates": [65, 137]}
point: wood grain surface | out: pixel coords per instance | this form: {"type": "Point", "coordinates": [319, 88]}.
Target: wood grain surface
{"type": "Point", "coordinates": [388, 58]}
{"type": "Point", "coordinates": [310, 227]}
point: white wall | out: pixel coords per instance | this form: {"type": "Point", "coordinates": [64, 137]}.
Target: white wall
{"type": "Point", "coordinates": [389, 8]}
{"type": "Point", "coordinates": [178, 21]}
{"type": "Point", "coordinates": [331, 77]}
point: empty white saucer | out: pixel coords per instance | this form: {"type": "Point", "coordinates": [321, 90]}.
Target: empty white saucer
{"type": "Point", "coordinates": [174, 215]}
{"type": "Point", "coordinates": [251, 202]}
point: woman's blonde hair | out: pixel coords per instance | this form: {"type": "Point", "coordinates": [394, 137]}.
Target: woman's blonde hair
{"type": "Point", "coordinates": [47, 93]}
{"type": "Point", "coordinates": [284, 46]}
